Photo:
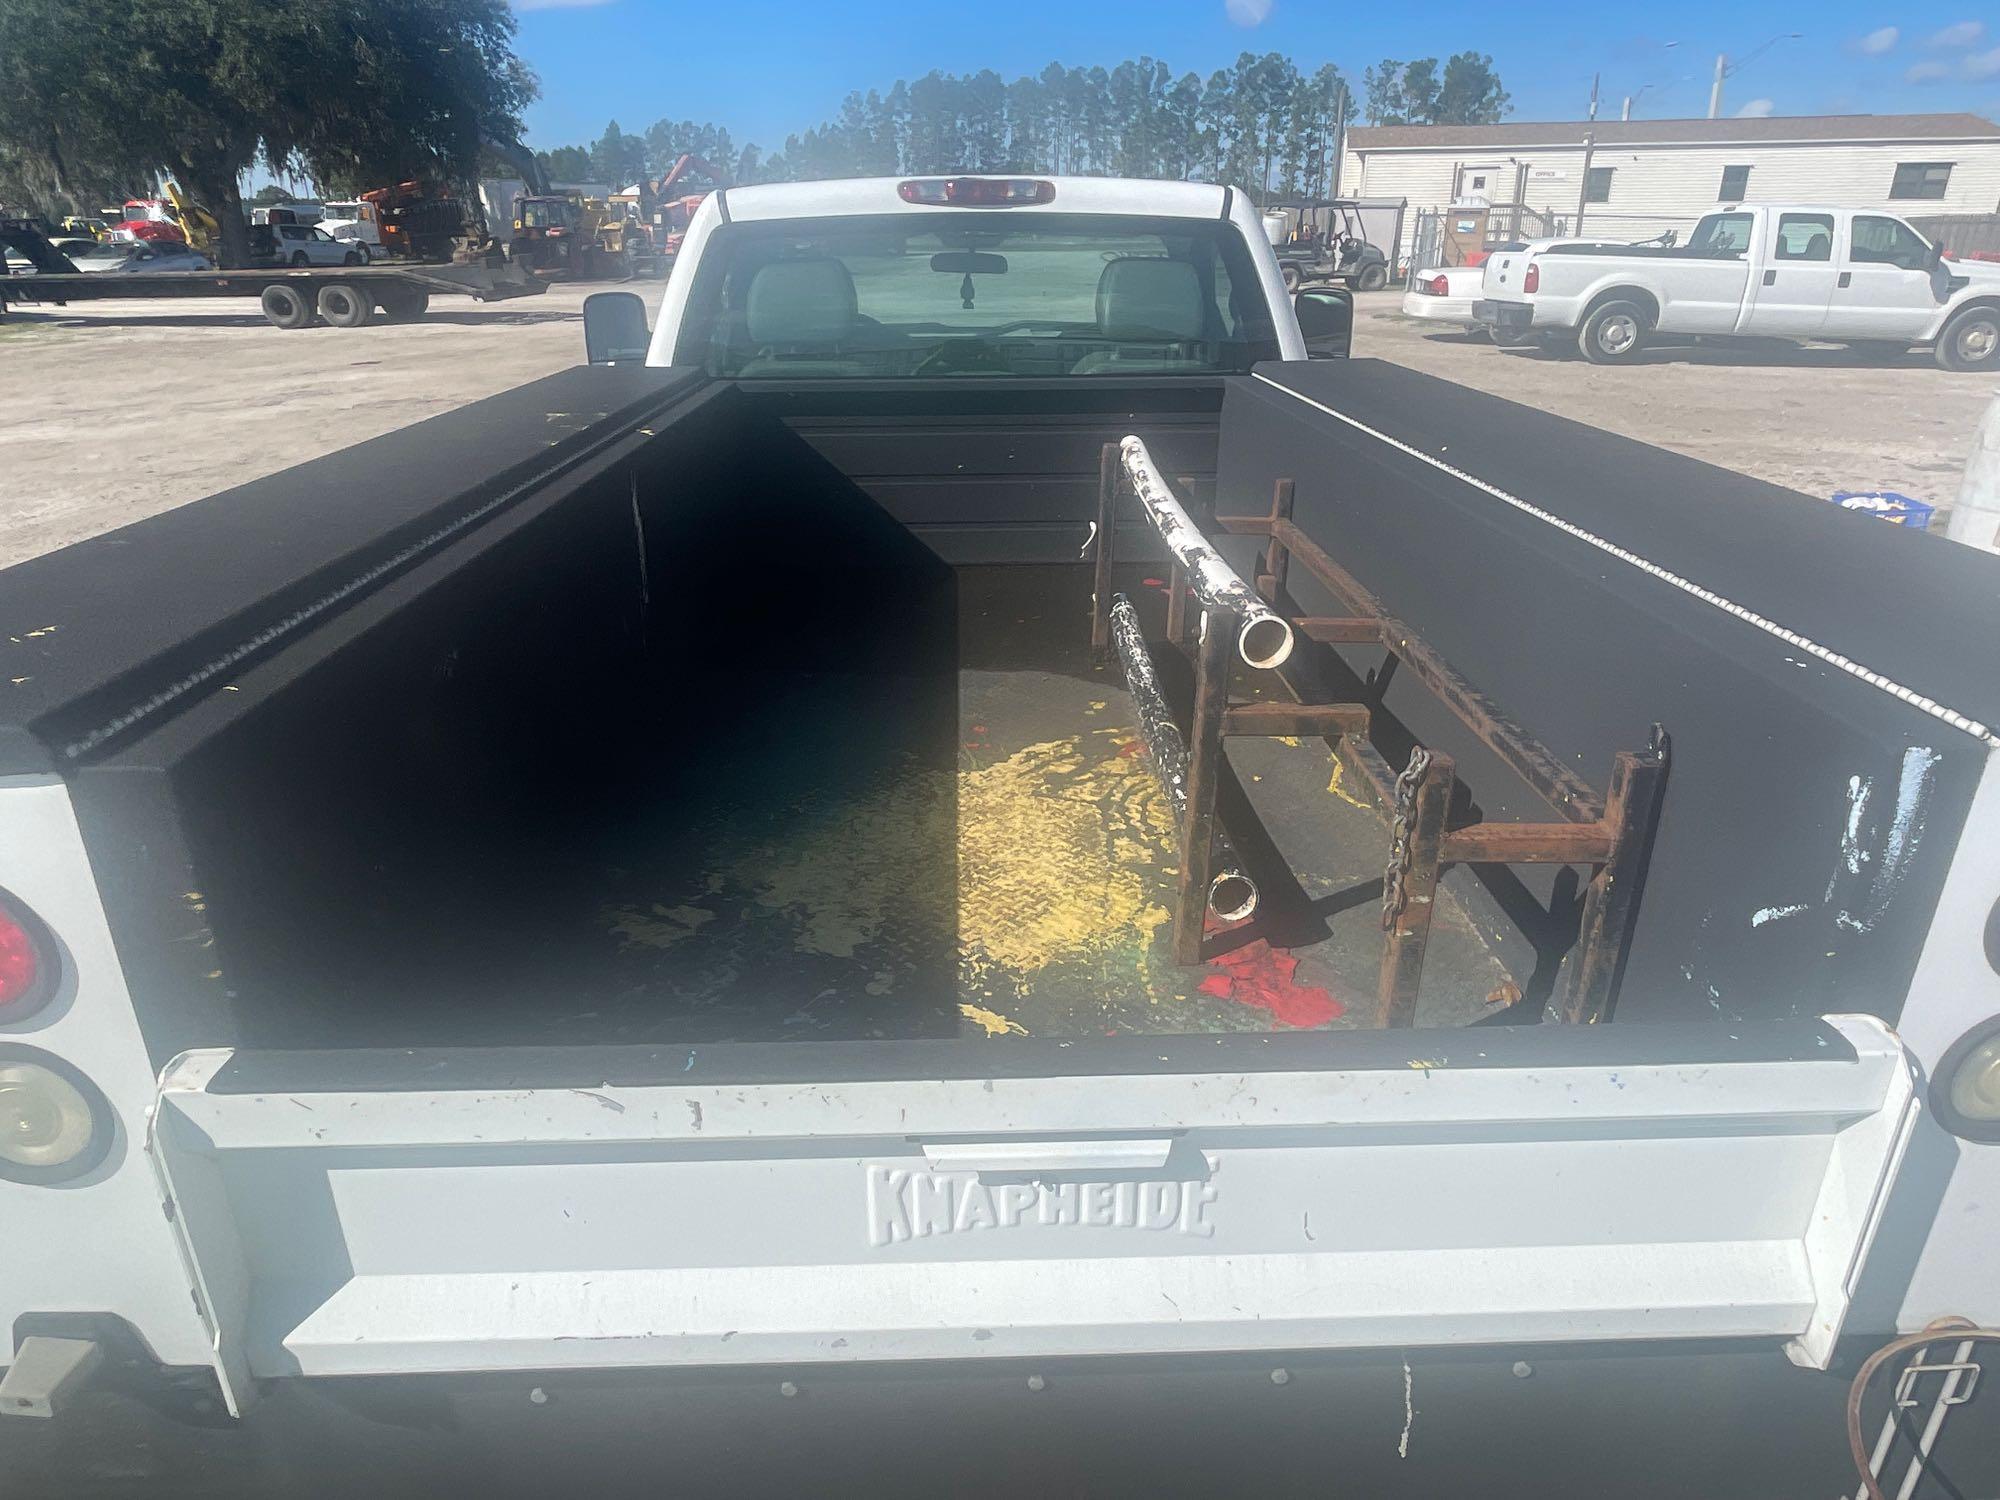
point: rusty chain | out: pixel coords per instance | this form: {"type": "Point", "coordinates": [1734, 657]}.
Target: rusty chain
{"type": "Point", "coordinates": [1394, 896]}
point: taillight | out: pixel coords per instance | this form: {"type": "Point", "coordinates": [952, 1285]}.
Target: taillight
{"type": "Point", "coordinates": [1437, 286]}
{"type": "Point", "coordinates": [28, 963]}
{"type": "Point", "coordinates": [976, 192]}
{"type": "Point", "coordinates": [1531, 279]}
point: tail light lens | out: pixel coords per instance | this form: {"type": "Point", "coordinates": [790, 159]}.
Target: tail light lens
{"type": "Point", "coordinates": [1531, 279]}
{"type": "Point", "coordinates": [53, 1124]}
{"type": "Point", "coordinates": [1437, 286]}
{"type": "Point", "coordinates": [976, 192]}
{"type": "Point", "coordinates": [29, 966]}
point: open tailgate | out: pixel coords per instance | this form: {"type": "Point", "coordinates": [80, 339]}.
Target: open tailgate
{"type": "Point", "coordinates": [360, 1213]}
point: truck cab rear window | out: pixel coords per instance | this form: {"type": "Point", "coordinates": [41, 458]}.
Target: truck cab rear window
{"type": "Point", "coordinates": [959, 294]}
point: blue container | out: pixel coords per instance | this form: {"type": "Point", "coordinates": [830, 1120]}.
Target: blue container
{"type": "Point", "coordinates": [1888, 505]}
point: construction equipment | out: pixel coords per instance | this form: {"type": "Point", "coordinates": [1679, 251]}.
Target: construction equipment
{"type": "Point", "coordinates": [172, 217]}
{"type": "Point", "coordinates": [669, 215]}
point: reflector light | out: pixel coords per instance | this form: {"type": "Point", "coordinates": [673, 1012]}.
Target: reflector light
{"type": "Point", "coordinates": [976, 192]}
{"type": "Point", "coordinates": [1965, 1084]}
{"type": "Point", "coordinates": [54, 1125]}
{"type": "Point", "coordinates": [27, 961]}
{"type": "Point", "coordinates": [1531, 280]}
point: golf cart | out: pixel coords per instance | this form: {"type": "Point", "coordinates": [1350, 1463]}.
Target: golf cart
{"type": "Point", "coordinates": [1328, 241]}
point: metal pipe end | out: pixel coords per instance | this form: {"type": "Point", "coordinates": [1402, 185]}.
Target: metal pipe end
{"type": "Point", "coordinates": [1265, 641]}
{"type": "Point", "coordinates": [1232, 896]}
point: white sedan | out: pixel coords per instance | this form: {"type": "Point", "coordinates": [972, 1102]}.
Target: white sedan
{"type": "Point", "coordinates": [125, 257]}
{"type": "Point", "coordinates": [1444, 295]}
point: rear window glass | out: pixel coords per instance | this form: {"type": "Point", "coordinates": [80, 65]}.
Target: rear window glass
{"type": "Point", "coordinates": [974, 293]}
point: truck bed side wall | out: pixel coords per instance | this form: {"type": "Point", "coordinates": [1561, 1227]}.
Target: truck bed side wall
{"type": "Point", "coordinates": [1809, 817]}
{"type": "Point", "coordinates": [393, 804]}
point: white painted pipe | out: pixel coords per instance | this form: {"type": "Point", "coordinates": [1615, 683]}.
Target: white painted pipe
{"type": "Point", "coordinates": [1265, 637]}
{"type": "Point", "coordinates": [1975, 515]}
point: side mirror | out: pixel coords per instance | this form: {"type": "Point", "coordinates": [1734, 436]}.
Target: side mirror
{"type": "Point", "coordinates": [1936, 257]}
{"type": "Point", "coordinates": [1326, 319]}
{"type": "Point", "coordinates": [614, 328]}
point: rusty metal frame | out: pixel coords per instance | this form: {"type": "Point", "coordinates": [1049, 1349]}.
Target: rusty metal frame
{"type": "Point", "coordinates": [1611, 833]}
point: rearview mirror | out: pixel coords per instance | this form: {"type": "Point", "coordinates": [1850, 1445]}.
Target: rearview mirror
{"type": "Point", "coordinates": [970, 263]}
{"type": "Point", "coordinates": [614, 328]}
{"type": "Point", "coordinates": [1326, 319]}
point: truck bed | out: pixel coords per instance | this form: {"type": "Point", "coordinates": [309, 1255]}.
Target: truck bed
{"type": "Point", "coordinates": [820, 861]}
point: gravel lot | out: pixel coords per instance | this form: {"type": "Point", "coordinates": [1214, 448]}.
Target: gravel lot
{"type": "Point", "coordinates": [116, 410]}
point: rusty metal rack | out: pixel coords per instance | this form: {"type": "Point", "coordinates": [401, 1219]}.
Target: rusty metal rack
{"type": "Point", "coordinates": [1612, 833]}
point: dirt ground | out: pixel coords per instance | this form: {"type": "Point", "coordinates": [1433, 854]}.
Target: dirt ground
{"type": "Point", "coordinates": [114, 410]}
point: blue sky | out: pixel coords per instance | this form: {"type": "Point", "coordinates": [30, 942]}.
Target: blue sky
{"type": "Point", "coordinates": [766, 68]}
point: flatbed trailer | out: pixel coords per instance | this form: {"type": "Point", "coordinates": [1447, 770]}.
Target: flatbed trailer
{"type": "Point", "coordinates": [344, 296]}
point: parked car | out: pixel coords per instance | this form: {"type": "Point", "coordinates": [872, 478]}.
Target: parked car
{"type": "Point", "coordinates": [125, 257]}
{"type": "Point", "coordinates": [1755, 271]}
{"type": "Point", "coordinates": [1444, 294]}
{"type": "Point", "coordinates": [301, 245]}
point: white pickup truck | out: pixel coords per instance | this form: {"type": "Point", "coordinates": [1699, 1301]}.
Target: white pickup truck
{"type": "Point", "coordinates": [1851, 276]}
{"type": "Point", "coordinates": [650, 916]}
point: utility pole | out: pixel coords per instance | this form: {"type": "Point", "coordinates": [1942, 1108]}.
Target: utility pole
{"type": "Point", "coordinates": [1626, 112]}
{"type": "Point", "coordinates": [1593, 94]}
{"type": "Point", "coordinates": [1715, 89]}
{"type": "Point", "coordinates": [1583, 191]}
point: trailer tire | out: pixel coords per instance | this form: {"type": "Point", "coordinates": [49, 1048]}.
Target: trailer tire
{"type": "Point", "coordinates": [403, 304]}
{"type": "Point", "coordinates": [343, 305]}
{"type": "Point", "coordinates": [1614, 333]}
{"type": "Point", "coordinates": [1971, 340]}
{"type": "Point", "coordinates": [286, 306]}
{"type": "Point", "coordinates": [1372, 278]}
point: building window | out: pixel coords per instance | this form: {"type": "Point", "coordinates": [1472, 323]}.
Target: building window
{"type": "Point", "coordinates": [1735, 185]}
{"type": "Point", "coordinates": [1920, 179]}
{"type": "Point", "coordinates": [1597, 185]}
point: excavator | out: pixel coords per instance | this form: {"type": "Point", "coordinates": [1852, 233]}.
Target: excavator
{"type": "Point", "coordinates": [174, 217]}
{"type": "Point", "coordinates": [669, 215]}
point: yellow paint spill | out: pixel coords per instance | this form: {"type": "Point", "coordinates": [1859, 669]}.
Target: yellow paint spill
{"type": "Point", "coordinates": [1056, 850]}
{"type": "Point", "coordinates": [656, 926]}
{"type": "Point", "coordinates": [1425, 1064]}
{"type": "Point", "coordinates": [994, 1023]}
{"type": "Point", "coordinates": [1287, 739]}
{"type": "Point", "coordinates": [1337, 786]}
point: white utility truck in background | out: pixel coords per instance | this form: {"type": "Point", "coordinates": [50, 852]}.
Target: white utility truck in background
{"type": "Point", "coordinates": [1788, 271]}
{"type": "Point", "coordinates": [652, 914]}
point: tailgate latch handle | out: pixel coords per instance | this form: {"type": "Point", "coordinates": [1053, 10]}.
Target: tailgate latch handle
{"type": "Point", "coordinates": [1148, 1155]}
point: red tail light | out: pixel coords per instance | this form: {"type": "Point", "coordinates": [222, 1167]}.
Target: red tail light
{"type": "Point", "coordinates": [976, 192]}
{"type": "Point", "coordinates": [28, 965]}
{"type": "Point", "coordinates": [1437, 286]}
{"type": "Point", "coordinates": [1531, 279]}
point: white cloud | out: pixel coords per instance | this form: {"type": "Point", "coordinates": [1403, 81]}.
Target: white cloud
{"type": "Point", "coordinates": [1878, 42]}
{"type": "Point", "coordinates": [1964, 34]}
{"type": "Point", "coordinates": [1248, 12]}
{"type": "Point", "coordinates": [557, 4]}
{"type": "Point", "coordinates": [1983, 64]}
{"type": "Point", "coordinates": [1756, 109]}
{"type": "Point", "coordinates": [1926, 72]}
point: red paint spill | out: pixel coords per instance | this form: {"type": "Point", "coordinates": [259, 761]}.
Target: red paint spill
{"type": "Point", "coordinates": [1258, 974]}
{"type": "Point", "coordinates": [1128, 748]}
{"type": "Point", "coordinates": [1154, 583]}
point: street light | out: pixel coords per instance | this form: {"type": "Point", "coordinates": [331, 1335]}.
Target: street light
{"type": "Point", "coordinates": [1723, 66]}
